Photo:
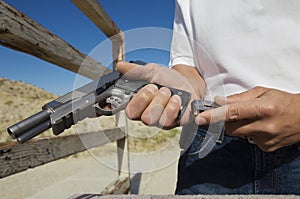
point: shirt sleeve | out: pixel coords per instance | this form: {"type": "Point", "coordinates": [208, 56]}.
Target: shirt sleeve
{"type": "Point", "coordinates": [181, 49]}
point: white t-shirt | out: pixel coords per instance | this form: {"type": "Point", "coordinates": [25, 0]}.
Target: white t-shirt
{"type": "Point", "coordinates": [239, 44]}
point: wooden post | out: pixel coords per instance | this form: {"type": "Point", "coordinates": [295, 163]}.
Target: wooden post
{"type": "Point", "coordinates": [93, 10]}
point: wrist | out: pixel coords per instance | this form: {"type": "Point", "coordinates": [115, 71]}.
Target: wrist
{"type": "Point", "coordinates": [194, 78]}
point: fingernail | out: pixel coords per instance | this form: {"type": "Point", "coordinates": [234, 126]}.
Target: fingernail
{"type": "Point", "coordinates": [176, 99]}
{"type": "Point", "coordinates": [164, 91]}
{"type": "Point", "coordinates": [200, 121]}
{"type": "Point", "coordinates": [152, 88]}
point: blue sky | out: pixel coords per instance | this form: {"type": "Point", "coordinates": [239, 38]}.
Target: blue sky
{"type": "Point", "coordinates": [68, 22]}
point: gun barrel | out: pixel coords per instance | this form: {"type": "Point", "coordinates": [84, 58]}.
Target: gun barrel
{"type": "Point", "coordinates": [34, 131]}
{"type": "Point", "coordinates": [29, 124]}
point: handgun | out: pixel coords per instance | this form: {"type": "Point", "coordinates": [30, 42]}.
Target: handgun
{"type": "Point", "coordinates": [214, 132]}
{"type": "Point", "coordinates": [105, 96]}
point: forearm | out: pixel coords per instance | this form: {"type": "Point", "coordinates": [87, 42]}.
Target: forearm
{"type": "Point", "coordinates": [195, 79]}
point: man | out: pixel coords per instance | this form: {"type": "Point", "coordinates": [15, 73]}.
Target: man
{"type": "Point", "coordinates": [247, 54]}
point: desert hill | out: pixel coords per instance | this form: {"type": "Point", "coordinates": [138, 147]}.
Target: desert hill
{"type": "Point", "coordinates": [19, 100]}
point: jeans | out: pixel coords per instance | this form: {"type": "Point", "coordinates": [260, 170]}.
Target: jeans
{"type": "Point", "coordinates": [237, 167]}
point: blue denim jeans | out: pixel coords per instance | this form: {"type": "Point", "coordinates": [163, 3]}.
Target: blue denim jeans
{"type": "Point", "coordinates": [237, 167]}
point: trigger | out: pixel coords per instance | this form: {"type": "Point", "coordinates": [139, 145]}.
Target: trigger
{"type": "Point", "coordinates": [114, 101]}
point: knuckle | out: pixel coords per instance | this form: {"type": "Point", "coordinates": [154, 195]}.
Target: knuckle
{"type": "Point", "coordinates": [233, 113]}
{"type": "Point", "coordinates": [270, 144]}
{"type": "Point", "coordinates": [153, 69]}
{"type": "Point", "coordinates": [237, 96]}
{"type": "Point", "coordinates": [131, 114]}
{"type": "Point", "coordinates": [148, 121]}
{"type": "Point", "coordinates": [152, 66]}
{"type": "Point", "coordinates": [172, 109]}
{"type": "Point", "coordinates": [271, 129]}
{"type": "Point", "coordinates": [259, 88]}
{"type": "Point", "coordinates": [267, 110]}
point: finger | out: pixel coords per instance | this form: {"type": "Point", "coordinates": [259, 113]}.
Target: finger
{"type": "Point", "coordinates": [256, 132]}
{"type": "Point", "coordinates": [242, 128]}
{"type": "Point", "coordinates": [250, 130]}
{"type": "Point", "coordinates": [156, 107]}
{"type": "Point", "coordinates": [124, 67]}
{"type": "Point", "coordinates": [135, 71]}
{"type": "Point", "coordinates": [273, 144]}
{"type": "Point", "coordinates": [140, 101]}
{"type": "Point", "coordinates": [168, 119]}
{"type": "Point", "coordinates": [231, 112]}
{"type": "Point", "coordinates": [211, 116]}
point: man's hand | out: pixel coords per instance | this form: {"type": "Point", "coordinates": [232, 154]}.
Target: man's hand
{"type": "Point", "coordinates": [270, 117]}
{"type": "Point", "coordinates": [155, 106]}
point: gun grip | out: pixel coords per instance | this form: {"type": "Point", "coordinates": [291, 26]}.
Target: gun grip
{"type": "Point", "coordinates": [185, 98]}
{"type": "Point", "coordinates": [184, 95]}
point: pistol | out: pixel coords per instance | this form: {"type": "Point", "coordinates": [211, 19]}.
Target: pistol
{"type": "Point", "coordinates": [105, 96]}
{"type": "Point", "coordinates": [214, 132]}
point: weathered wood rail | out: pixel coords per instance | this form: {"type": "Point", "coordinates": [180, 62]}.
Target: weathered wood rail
{"type": "Point", "coordinates": [21, 33]}
{"type": "Point", "coordinates": [15, 158]}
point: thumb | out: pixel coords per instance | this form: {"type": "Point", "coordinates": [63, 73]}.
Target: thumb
{"type": "Point", "coordinates": [124, 67]}
{"type": "Point", "coordinates": [134, 71]}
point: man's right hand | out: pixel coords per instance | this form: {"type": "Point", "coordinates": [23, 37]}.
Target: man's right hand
{"type": "Point", "coordinates": [156, 107]}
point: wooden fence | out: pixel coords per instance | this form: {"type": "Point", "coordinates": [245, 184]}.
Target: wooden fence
{"type": "Point", "coordinates": [16, 158]}
{"type": "Point", "coordinates": [19, 32]}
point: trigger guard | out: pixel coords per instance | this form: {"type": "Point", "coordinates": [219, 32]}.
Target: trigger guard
{"type": "Point", "coordinates": [115, 101]}
{"type": "Point", "coordinates": [108, 112]}
{"type": "Point", "coordinates": [116, 98]}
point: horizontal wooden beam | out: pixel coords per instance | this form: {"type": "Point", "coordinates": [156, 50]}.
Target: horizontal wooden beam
{"type": "Point", "coordinates": [21, 33]}
{"type": "Point", "coordinates": [15, 158]}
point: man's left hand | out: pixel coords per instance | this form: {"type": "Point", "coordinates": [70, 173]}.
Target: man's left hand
{"type": "Point", "coordinates": [269, 117]}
